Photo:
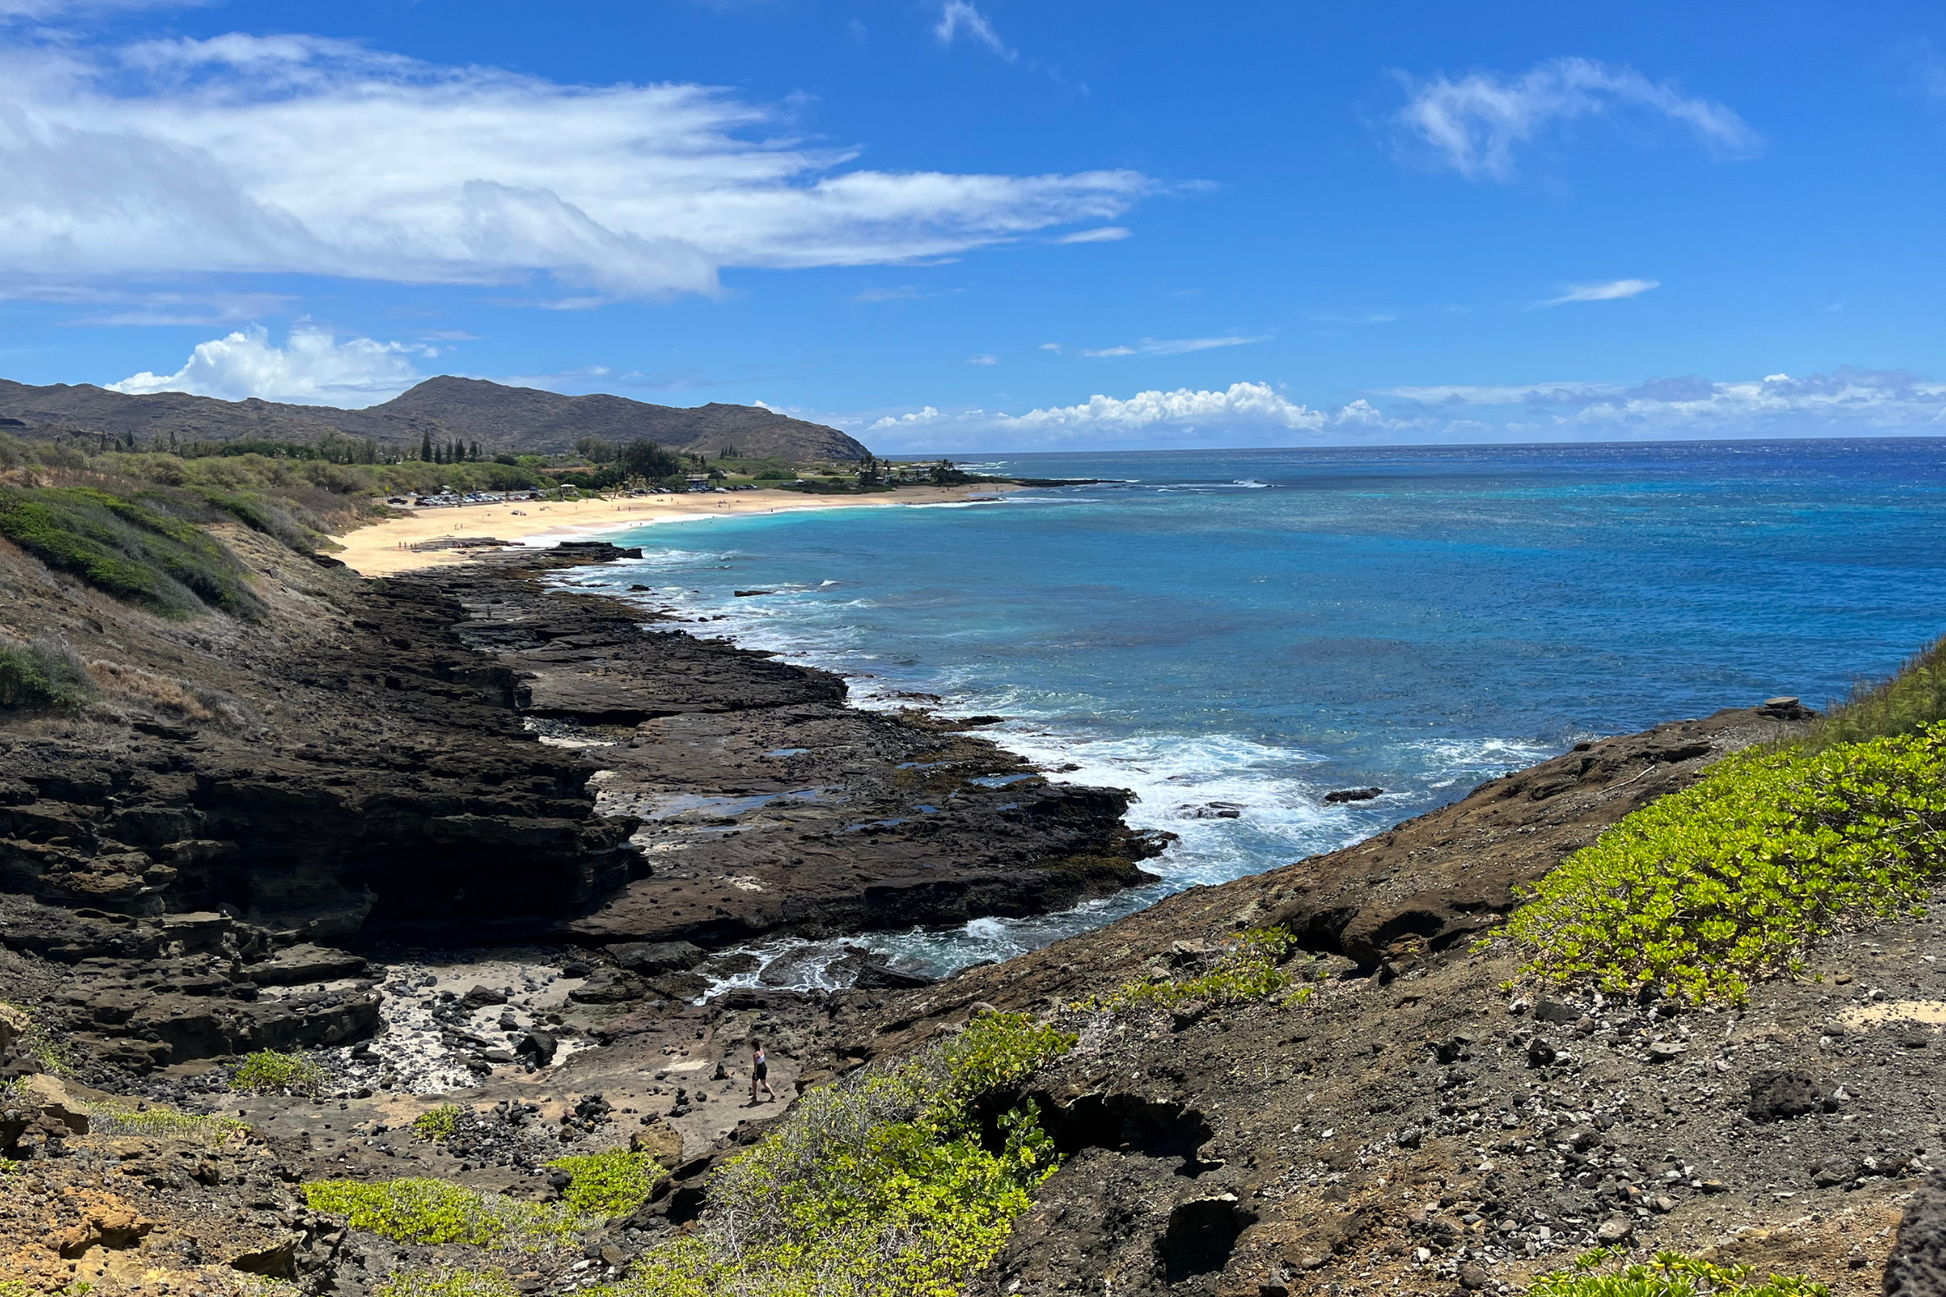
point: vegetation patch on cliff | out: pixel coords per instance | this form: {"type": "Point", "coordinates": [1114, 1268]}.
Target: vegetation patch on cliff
{"type": "Point", "coordinates": [420, 1209]}
{"type": "Point", "coordinates": [127, 549]}
{"type": "Point", "coordinates": [1704, 891]}
{"type": "Point", "coordinates": [269, 1072]}
{"type": "Point", "coordinates": [1910, 700]}
{"type": "Point", "coordinates": [1669, 1274]}
{"type": "Point", "coordinates": [1248, 968]}
{"type": "Point", "coordinates": [887, 1184]}
{"type": "Point", "coordinates": [41, 674]}
{"type": "Point", "coordinates": [608, 1184]}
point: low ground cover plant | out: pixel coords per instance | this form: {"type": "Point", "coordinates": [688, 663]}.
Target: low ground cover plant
{"type": "Point", "coordinates": [117, 1118]}
{"type": "Point", "coordinates": [1670, 1274]}
{"type": "Point", "coordinates": [269, 1072]}
{"type": "Point", "coordinates": [1705, 891]}
{"type": "Point", "coordinates": [422, 1282]}
{"type": "Point", "coordinates": [614, 1183]}
{"type": "Point", "coordinates": [425, 1210]}
{"type": "Point", "coordinates": [438, 1124]}
{"type": "Point", "coordinates": [1250, 968]}
{"type": "Point", "coordinates": [888, 1184]}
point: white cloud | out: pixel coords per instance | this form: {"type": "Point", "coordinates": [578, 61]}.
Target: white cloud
{"type": "Point", "coordinates": [1850, 399]}
{"type": "Point", "coordinates": [304, 155]}
{"type": "Point", "coordinates": [956, 16]}
{"type": "Point", "coordinates": [312, 368]}
{"type": "Point", "coordinates": [1474, 124]}
{"type": "Point", "coordinates": [1254, 403]}
{"type": "Point", "coordinates": [1105, 234]}
{"type": "Point", "coordinates": [984, 358]}
{"type": "Point", "coordinates": [1847, 401]}
{"type": "Point", "coordinates": [1612, 290]}
{"type": "Point", "coordinates": [913, 419]}
{"type": "Point", "coordinates": [1050, 346]}
{"type": "Point", "coordinates": [901, 293]}
{"type": "Point", "coordinates": [1163, 346]}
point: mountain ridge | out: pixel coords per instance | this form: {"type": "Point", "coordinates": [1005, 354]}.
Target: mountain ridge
{"type": "Point", "coordinates": [445, 408]}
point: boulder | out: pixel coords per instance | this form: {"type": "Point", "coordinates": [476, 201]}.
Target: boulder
{"type": "Point", "coordinates": [305, 963]}
{"type": "Point", "coordinates": [609, 986]}
{"type": "Point", "coordinates": [652, 957]}
{"type": "Point", "coordinates": [1780, 1094]}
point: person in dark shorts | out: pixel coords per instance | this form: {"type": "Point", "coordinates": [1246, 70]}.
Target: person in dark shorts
{"type": "Point", "coordinates": [759, 1073]}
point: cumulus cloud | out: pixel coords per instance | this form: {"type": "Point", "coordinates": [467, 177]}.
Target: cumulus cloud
{"type": "Point", "coordinates": [1252, 403]}
{"type": "Point", "coordinates": [957, 16]}
{"type": "Point", "coordinates": [1162, 346]}
{"type": "Point", "coordinates": [1475, 124]}
{"type": "Point", "coordinates": [312, 368]}
{"type": "Point", "coordinates": [304, 155]}
{"type": "Point", "coordinates": [1610, 291]}
{"type": "Point", "coordinates": [912, 419]}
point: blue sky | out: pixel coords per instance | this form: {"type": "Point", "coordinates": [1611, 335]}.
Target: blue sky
{"type": "Point", "coordinates": [946, 225]}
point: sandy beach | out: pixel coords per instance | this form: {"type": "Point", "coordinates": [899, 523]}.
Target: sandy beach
{"type": "Point", "coordinates": [386, 547]}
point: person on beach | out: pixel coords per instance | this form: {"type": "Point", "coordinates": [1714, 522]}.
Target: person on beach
{"type": "Point", "coordinates": [759, 1073]}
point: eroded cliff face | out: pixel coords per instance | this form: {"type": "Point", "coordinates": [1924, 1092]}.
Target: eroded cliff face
{"type": "Point", "coordinates": [469, 756]}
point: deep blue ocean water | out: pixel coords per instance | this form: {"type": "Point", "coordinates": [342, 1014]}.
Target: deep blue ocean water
{"type": "Point", "coordinates": [1256, 628]}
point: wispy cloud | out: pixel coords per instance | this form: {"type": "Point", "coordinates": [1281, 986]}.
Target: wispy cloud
{"type": "Point", "coordinates": [957, 17]}
{"type": "Point", "coordinates": [1372, 317]}
{"type": "Point", "coordinates": [1607, 291]}
{"type": "Point", "coordinates": [296, 154]}
{"type": "Point", "coordinates": [1163, 346]}
{"type": "Point", "coordinates": [312, 368]}
{"type": "Point", "coordinates": [900, 293]}
{"type": "Point", "coordinates": [1475, 123]}
{"type": "Point", "coordinates": [1848, 399]}
{"type": "Point", "coordinates": [1105, 234]}
{"type": "Point", "coordinates": [984, 358]}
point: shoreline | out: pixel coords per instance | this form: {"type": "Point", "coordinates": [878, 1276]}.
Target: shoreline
{"type": "Point", "coordinates": [384, 548]}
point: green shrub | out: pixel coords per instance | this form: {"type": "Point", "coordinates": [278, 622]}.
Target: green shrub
{"type": "Point", "coordinates": [1909, 701]}
{"type": "Point", "coordinates": [1706, 890]}
{"type": "Point", "coordinates": [41, 675]}
{"type": "Point", "coordinates": [1671, 1274]}
{"type": "Point", "coordinates": [614, 1183]}
{"type": "Point", "coordinates": [1248, 970]}
{"type": "Point", "coordinates": [269, 1072]}
{"type": "Point", "coordinates": [888, 1184]}
{"type": "Point", "coordinates": [126, 549]}
{"type": "Point", "coordinates": [425, 1210]}
{"type": "Point", "coordinates": [438, 1124]}
{"type": "Point", "coordinates": [423, 1282]}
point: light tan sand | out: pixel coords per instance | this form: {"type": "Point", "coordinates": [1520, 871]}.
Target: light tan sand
{"type": "Point", "coordinates": [386, 547]}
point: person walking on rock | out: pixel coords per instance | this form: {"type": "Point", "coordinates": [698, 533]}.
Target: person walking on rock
{"type": "Point", "coordinates": [759, 1073]}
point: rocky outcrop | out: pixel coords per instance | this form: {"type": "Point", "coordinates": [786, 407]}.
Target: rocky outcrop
{"type": "Point", "coordinates": [1436, 880]}
{"type": "Point", "coordinates": [1409, 1115]}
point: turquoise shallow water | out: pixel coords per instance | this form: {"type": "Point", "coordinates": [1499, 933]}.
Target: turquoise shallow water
{"type": "Point", "coordinates": [1254, 629]}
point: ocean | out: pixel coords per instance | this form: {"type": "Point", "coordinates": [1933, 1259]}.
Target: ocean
{"type": "Point", "coordinates": [1233, 634]}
